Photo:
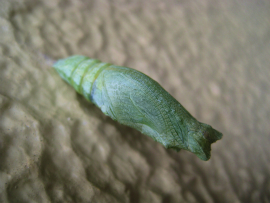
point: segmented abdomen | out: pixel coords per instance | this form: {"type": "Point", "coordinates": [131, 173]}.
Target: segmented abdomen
{"type": "Point", "coordinates": [81, 72]}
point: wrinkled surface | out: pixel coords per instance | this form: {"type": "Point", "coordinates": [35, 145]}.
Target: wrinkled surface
{"type": "Point", "coordinates": [212, 56]}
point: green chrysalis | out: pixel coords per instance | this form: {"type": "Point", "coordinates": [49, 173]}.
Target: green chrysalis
{"type": "Point", "coordinates": [134, 99]}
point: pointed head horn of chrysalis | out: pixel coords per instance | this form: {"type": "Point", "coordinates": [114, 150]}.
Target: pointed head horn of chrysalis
{"type": "Point", "coordinates": [200, 138]}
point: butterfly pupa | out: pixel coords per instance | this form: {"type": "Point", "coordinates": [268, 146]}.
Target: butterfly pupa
{"type": "Point", "coordinates": [134, 99]}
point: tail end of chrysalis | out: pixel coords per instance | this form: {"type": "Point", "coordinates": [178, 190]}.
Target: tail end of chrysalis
{"type": "Point", "coordinates": [66, 66]}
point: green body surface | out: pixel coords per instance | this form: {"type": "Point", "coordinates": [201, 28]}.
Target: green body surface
{"type": "Point", "coordinates": [134, 99]}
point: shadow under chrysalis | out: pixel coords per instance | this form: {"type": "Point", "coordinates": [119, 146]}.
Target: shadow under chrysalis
{"type": "Point", "coordinates": [134, 99]}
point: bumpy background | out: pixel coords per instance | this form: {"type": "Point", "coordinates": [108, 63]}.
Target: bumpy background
{"type": "Point", "coordinates": [212, 55]}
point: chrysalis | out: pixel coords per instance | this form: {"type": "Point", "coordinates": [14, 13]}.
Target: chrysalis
{"type": "Point", "coordinates": [134, 99]}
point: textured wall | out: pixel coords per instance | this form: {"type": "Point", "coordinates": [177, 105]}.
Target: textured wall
{"type": "Point", "coordinates": [212, 56]}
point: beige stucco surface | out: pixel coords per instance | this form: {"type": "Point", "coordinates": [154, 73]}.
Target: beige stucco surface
{"type": "Point", "coordinates": [212, 56]}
